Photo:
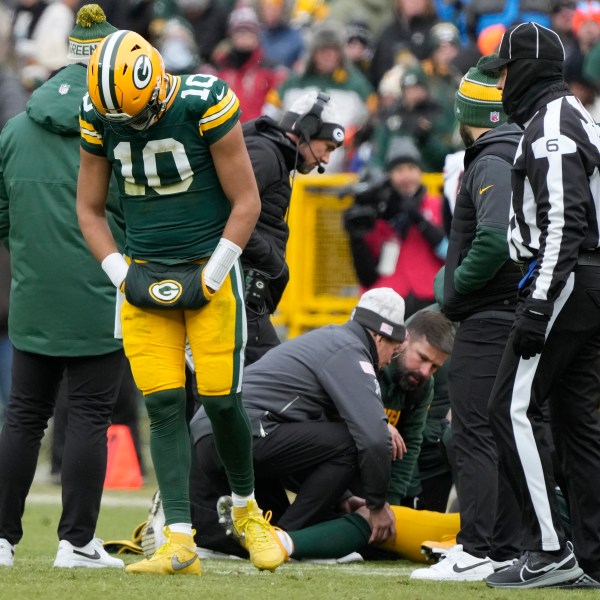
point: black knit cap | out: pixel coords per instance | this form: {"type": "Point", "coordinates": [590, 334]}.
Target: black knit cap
{"type": "Point", "coordinates": [527, 41]}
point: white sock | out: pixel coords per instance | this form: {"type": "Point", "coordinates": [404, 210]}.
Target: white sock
{"type": "Point", "coordinates": [241, 501]}
{"type": "Point", "coordinates": [286, 541]}
{"type": "Point", "coordinates": [185, 528]}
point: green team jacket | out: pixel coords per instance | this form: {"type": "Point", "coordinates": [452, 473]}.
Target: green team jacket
{"type": "Point", "coordinates": [407, 411]}
{"type": "Point", "coordinates": [61, 302]}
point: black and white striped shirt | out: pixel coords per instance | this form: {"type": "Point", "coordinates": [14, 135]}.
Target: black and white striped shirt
{"type": "Point", "coordinates": [556, 193]}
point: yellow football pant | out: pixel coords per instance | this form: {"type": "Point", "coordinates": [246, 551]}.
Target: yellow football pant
{"type": "Point", "coordinates": [154, 342]}
{"type": "Point", "coordinates": [413, 527]}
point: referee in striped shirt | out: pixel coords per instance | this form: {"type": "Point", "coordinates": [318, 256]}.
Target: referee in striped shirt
{"type": "Point", "coordinates": [553, 352]}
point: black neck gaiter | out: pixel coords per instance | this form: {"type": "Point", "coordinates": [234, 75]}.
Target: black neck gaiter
{"type": "Point", "coordinates": [527, 80]}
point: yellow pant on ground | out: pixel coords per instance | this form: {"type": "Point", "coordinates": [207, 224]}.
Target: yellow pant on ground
{"type": "Point", "coordinates": [413, 527]}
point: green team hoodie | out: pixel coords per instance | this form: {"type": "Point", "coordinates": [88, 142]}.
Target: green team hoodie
{"type": "Point", "coordinates": [61, 302]}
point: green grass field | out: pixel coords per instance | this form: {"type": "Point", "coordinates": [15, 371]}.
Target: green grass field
{"type": "Point", "coordinates": [33, 576]}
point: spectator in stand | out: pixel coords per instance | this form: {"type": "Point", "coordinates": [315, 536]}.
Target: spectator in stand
{"type": "Point", "coordinates": [443, 76]}
{"type": "Point", "coordinates": [175, 41]}
{"type": "Point", "coordinates": [359, 45]}
{"type": "Point", "coordinates": [281, 42]}
{"type": "Point", "coordinates": [241, 62]}
{"type": "Point", "coordinates": [418, 116]}
{"type": "Point", "coordinates": [327, 69]}
{"type": "Point", "coordinates": [407, 31]}
{"type": "Point", "coordinates": [40, 32]}
{"type": "Point", "coordinates": [561, 18]}
{"type": "Point", "coordinates": [207, 18]}
{"type": "Point", "coordinates": [396, 234]}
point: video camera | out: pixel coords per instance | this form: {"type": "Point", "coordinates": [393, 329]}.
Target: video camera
{"type": "Point", "coordinates": [370, 201]}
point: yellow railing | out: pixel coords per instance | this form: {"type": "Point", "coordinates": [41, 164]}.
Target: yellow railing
{"type": "Point", "coordinates": [323, 288]}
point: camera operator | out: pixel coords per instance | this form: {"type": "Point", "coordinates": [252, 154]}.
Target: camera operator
{"type": "Point", "coordinates": [302, 141]}
{"type": "Point", "coordinates": [395, 227]}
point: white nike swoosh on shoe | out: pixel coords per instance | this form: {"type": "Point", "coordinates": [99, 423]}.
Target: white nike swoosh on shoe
{"type": "Point", "coordinates": [94, 556]}
{"type": "Point", "coordinates": [458, 569]}
{"type": "Point", "coordinates": [179, 565]}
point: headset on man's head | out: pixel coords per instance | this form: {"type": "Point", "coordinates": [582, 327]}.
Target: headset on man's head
{"type": "Point", "coordinates": [310, 123]}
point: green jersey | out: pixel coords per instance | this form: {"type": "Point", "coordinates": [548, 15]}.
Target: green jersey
{"type": "Point", "coordinates": [174, 206]}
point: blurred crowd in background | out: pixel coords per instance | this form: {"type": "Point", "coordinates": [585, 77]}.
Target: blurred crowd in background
{"type": "Point", "coordinates": [391, 66]}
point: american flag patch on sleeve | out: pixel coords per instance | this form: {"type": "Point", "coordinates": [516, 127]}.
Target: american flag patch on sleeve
{"type": "Point", "coordinates": [367, 367]}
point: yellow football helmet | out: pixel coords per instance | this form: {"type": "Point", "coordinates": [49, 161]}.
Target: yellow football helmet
{"type": "Point", "coordinates": [127, 81]}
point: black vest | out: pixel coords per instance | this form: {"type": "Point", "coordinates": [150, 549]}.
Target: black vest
{"type": "Point", "coordinates": [500, 292]}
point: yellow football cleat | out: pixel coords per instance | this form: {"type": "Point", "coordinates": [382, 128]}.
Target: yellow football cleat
{"type": "Point", "coordinates": [175, 557]}
{"type": "Point", "coordinates": [258, 537]}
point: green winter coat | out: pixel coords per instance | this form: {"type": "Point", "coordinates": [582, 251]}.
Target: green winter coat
{"type": "Point", "coordinates": [61, 302]}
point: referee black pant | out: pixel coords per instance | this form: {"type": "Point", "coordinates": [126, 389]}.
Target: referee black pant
{"type": "Point", "coordinates": [567, 376]}
{"type": "Point", "coordinates": [316, 460]}
{"type": "Point", "coordinates": [93, 383]}
{"type": "Point", "coordinates": [486, 527]}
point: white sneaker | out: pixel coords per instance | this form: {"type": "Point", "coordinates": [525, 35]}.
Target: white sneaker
{"type": "Point", "coordinates": [153, 536]}
{"type": "Point", "coordinates": [456, 565]}
{"type": "Point", "coordinates": [7, 553]}
{"type": "Point", "coordinates": [92, 555]}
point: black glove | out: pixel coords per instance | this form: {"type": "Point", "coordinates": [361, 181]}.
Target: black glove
{"type": "Point", "coordinates": [529, 333]}
{"type": "Point", "coordinates": [412, 207]}
{"type": "Point", "coordinates": [359, 219]}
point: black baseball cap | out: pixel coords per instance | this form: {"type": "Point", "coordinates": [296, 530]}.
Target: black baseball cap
{"type": "Point", "coordinates": [529, 41]}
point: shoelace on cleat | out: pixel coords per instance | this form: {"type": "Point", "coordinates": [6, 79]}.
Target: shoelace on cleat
{"type": "Point", "coordinates": [259, 528]}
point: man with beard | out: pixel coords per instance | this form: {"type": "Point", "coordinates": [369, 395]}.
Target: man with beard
{"type": "Point", "coordinates": [479, 292]}
{"type": "Point", "coordinates": [552, 357]}
{"type": "Point", "coordinates": [407, 391]}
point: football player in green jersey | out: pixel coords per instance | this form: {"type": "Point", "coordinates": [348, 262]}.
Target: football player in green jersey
{"type": "Point", "coordinates": [190, 203]}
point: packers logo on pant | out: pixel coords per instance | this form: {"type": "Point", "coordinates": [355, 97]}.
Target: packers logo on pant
{"type": "Point", "coordinates": [166, 291]}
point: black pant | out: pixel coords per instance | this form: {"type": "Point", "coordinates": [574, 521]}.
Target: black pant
{"type": "Point", "coordinates": [317, 461]}
{"type": "Point", "coordinates": [486, 526]}
{"type": "Point", "coordinates": [261, 335]}
{"type": "Point", "coordinates": [93, 385]}
{"type": "Point", "coordinates": [567, 376]}
{"type": "Point", "coordinates": [125, 412]}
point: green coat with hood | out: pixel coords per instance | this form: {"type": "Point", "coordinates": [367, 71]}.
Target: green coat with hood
{"type": "Point", "coordinates": [61, 302]}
